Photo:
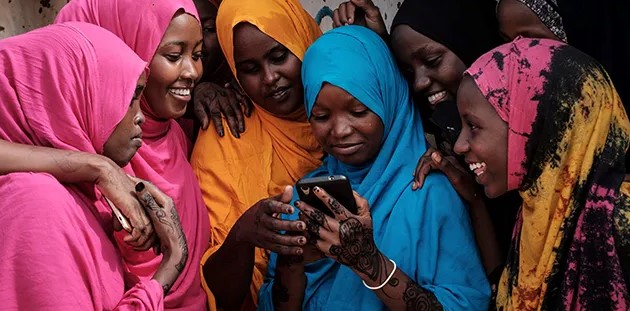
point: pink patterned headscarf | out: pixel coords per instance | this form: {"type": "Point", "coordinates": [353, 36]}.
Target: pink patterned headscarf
{"type": "Point", "coordinates": [163, 159]}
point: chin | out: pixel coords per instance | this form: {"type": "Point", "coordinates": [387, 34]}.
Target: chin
{"type": "Point", "coordinates": [492, 192]}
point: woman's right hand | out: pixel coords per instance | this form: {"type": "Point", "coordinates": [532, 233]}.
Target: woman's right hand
{"type": "Point", "coordinates": [169, 231]}
{"type": "Point", "coordinates": [460, 178]}
{"type": "Point", "coordinates": [360, 12]}
{"type": "Point", "coordinates": [212, 101]}
{"type": "Point", "coordinates": [261, 223]}
{"type": "Point", "coordinates": [119, 188]}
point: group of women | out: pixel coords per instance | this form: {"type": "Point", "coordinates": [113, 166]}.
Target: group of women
{"type": "Point", "coordinates": [485, 175]}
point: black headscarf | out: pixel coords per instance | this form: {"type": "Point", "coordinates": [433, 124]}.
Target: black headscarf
{"type": "Point", "coordinates": [469, 28]}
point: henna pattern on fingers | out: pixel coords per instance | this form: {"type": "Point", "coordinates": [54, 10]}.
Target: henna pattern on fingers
{"type": "Point", "coordinates": [336, 207]}
{"type": "Point", "coordinates": [417, 298]}
{"type": "Point", "coordinates": [181, 240]}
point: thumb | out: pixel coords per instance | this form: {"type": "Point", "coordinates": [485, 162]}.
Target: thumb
{"type": "Point", "coordinates": [445, 166]}
{"type": "Point", "coordinates": [286, 195]}
{"type": "Point", "coordinates": [363, 208]}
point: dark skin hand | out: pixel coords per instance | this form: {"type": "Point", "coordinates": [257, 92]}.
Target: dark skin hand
{"type": "Point", "coordinates": [362, 13]}
{"type": "Point", "coordinates": [469, 191]}
{"type": "Point", "coordinates": [259, 226]}
{"type": "Point", "coordinates": [348, 239]}
{"type": "Point", "coordinates": [168, 228]}
{"type": "Point", "coordinates": [218, 101]}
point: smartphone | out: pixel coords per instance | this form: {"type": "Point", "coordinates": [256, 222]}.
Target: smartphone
{"type": "Point", "coordinates": [121, 218]}
{"type": "Point", "coordinates": [337, 186]}
{"type": "Point", "coordinates": [446, 118]}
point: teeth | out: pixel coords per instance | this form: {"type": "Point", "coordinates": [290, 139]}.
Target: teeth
{"type": "Point", "coordinates": [476, 166]}
{"type": "Point", "coordinates": [436, 96]}
{"type": "Point", "coordinates": [180, 92]}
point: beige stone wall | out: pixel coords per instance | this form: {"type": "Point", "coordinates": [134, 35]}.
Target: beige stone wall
{"type": "Point", "coordinates": [18, 16]}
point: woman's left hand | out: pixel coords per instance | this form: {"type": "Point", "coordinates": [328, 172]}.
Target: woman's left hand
{"type": "Point", "coordinates": [347, 238]}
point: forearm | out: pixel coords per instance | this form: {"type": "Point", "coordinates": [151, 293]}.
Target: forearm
{"type": "Point", "coordinates": [228, 272]}
{"type": "Point", "coordinates": [485, 236]}
{"type": "Point", "coordinates": [289, 283]}
{"type": "Point", "coordinates": [65, 165]}
{"type": "Point", "coordinates": [400, 292]}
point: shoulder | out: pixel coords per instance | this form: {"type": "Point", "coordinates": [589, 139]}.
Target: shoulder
{"type": "Point", "coordinates": [438, 198]}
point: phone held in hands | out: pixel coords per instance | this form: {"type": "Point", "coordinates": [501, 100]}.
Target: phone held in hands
{"type": "Point", "coordinates": [118, 214]}
{"type": "Point", "coordinates": [337, 186]}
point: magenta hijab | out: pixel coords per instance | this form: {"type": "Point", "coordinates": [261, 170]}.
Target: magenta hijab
{"type": "Point", "coordinates": [163, 159]}
{"type": "Point", "coordinates": [65, 86]}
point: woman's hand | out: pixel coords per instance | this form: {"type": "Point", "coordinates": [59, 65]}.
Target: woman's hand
{"type": "Point", "coordinates": [119, 188]}
{"type": "Point", "coordinates": [169, 231]}
{"type": "Point", "coordinates": [347, 238]}
{"type": "Point", "coordinates": [215, 100]}
{"type": "Point", "coordinates": [261, 224]}
{"type": "Point", "coordinates": [459, 177]}
{"type": "Point", "coordinates": [362, 13]}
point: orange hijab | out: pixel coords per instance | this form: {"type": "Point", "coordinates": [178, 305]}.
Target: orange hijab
{"type": "Point", "coordinates": [235, 173]}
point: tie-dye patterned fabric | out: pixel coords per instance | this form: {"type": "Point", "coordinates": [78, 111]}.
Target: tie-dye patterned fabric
{"type": "Point", "coordinates": [568, 134]}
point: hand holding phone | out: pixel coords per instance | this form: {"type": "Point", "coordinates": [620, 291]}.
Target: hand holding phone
{"type": "Point", "coordinates": [337, 186]}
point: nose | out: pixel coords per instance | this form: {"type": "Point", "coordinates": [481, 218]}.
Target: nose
{"type": "Point", "coordinates": [270, 75]}
{"type": "Point", "coordinates": [340, 128]}
{"type": "Point", "coordinates": [191, 69]}
{"type": "Point", "coordinates": [461, 145]}
{"type": "Point", "coordinates": [138, 119]}
{"type": "Point", "coordinates": [421, 82]}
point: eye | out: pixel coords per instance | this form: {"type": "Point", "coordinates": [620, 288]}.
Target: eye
{"type": "Point", "coordinates": [209, 30]}
{"type": "Point", "coordinates": [360, 113]}
{"type": "Point", "coordinates": [173, 57]}
{"type": "Point", "coordinates": [197, 55]}
{"type": "Point", "coordinates": [248, 68]}
{"type": "Point", "coordinates": [319, 117]}
{"type": "Point", "coordinates": [433, 61]}
{"type": "Point", "coordinates": [279, 56]}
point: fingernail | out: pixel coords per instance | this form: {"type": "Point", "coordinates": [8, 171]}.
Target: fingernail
{"type": "Point", "coordinates": [297, 203]}
{"type": "Point", "coordinates": [221, 133]}
{"type": "Point", "coordinates": [139, 187]}
{"type": "Point", "coordinates": [298, 251]}
{"type": "Point", "coordinates": [290, 210]}
{"type": "Point", "coordinates": [436, 157]}
{"type": "Point", "coordinates": [301, 240]}
{"type": "Point", "coordinates": [301, 226]}
{"type": "Point", "coordinates": [317, 189]}
{"type": "Point", "coordinates": [237, 135]}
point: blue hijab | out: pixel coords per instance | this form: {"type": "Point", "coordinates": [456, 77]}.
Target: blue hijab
{"type": "Point", "coordinates": [427, 232]}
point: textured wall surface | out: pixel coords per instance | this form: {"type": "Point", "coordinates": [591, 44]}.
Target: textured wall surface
{"type": "Point", "coordinates": [18, 16]}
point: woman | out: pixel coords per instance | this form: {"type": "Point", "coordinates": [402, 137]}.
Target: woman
{"type": "Point", "coordinates": [405, 246]}
{"type": "Point", "coordinates": [543, 118]}
{"type": "Point", "coordinates": [434, 41]}
{"type": "Point", "coordinates": [56, 235]}
{"type": "Point", "coordinates": [598, 28]}
{"type": "Point", "coordinates": [263, 42]}
{"type": "Point", "coordinates": [168, 37]}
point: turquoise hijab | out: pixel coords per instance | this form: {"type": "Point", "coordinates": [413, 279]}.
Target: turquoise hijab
{"type": "Point", "coordinates": [427, 232]}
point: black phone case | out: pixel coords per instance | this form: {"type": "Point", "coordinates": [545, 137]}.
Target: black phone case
{"type": "Point", "coordinates": [337, 186]}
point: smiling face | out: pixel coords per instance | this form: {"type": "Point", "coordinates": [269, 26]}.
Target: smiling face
{"type": "Point", "coordinates": [433, 71]}
{"type": "Point", "coordinates": [516, 19]}
{"type": "Point", "coordinates": [344, 127]}
{"type": "Point", "coordinates": [483, 139]}
{"type": "Point", "coordinates": [126, 138]}
{"type": "Point", "coordinates": [175, 68]}
{"type": "Point", "coordinates": [268, 72]}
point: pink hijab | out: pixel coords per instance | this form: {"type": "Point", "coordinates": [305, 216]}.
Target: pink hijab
{"type": "Point", "coordinates": [163, 159]}
{"type": "Point", "coordinates": [65, 86]}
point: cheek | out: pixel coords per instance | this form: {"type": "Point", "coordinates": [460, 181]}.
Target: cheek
{"type": "Point", "coordinates": [451, 73]}
{"type": "Point", "coordinates": [251, 85]}
{"type": "Point", "coordinates": [320, 132]}
{"type": "Point", "coordinates": [292, 70]}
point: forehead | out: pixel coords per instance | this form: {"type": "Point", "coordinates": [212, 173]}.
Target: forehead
{"type": "Point", "coordinates": [183, 27]}
{"type": "Point", "coordinates": [407, 41]}
{"type": "Point", "coordinates": [250, 42]}
{"type": "Point", "coordinates": [470, 100]}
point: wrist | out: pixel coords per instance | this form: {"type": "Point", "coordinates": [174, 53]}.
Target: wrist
{"type": "Point", "coordinates": [381, 267]}
{"type": "Point", "coordinates": [101, 166]}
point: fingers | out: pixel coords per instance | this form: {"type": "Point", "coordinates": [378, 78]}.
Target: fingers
{"type": "Point", "coordinates": [366, 5]}
{"type": "Point", "coordinates": [335, 18]}
{"type": "Point", "coordinates": [231, 116]}
{"type": "Point", "coordinates": [287, 194]}
{"type": "Point", "coordinates": [340, 212]}
{"type": "Point", "coordinates": [215, 115]}
{"type": "Point", "coordinates": [350, 11]}
{"type": "Point", "coordinates": [199, 107]}
{"type": "Point", "coordinates": [422, 169]}
{"type": "Point", "coordinates": [343, 13]}
{"type": "Point", "coordinates": [315, 218]}
{"type": "Point", "coordinates": [363, 207]}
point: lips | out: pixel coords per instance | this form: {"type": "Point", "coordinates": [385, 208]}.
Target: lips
{"type": "Point", "coordinates": [479, 168]}
{"type": "Point", "coordinates": [182, 93]}
{"type": "Point", "coordinates": [279, 93]}
{"type": "Point", "coordinates": [436, 97]}
{"type": "Point", "coordinates": [346, 149]}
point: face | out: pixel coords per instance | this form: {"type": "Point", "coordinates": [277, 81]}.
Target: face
{"type": "Point", "coordinates": [213, 57]}
{"type": "Point", "coordinates": [516, 19]}
{"type": "Point", "coordinates": [175, 68]}
{"type": "Point", "coordinates": [483, 139]}
{"type": "Point", "coordinates": [268, 72]}
{"type": "Point", "coordinates": [433, 71]}
{"type": "Point", "coordinates": [126, 138]}
{"type": "Point", "coordinates": [344, 127]}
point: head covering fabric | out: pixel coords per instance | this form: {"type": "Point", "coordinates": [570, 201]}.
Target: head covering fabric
{"type": "Point", "coordinates": [410, 227]}
{"type": "Point", "coordinates": [273, 152]}
{"type": "Point", "coordinates": [466, 27]}
{"type": "Point", "coordinates": [568, 134]}
{"type": "Point", "coordinates": [547, 12]}
{"type": "Point", "coordinates": [162, 159]}
{"type": "Point", "coordinates": [64, 86]}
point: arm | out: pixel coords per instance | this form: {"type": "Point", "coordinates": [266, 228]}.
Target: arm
{"type": "Point", "coordinates": [76, 167]}
{"type": "Point", "coordinates": [234, 259]}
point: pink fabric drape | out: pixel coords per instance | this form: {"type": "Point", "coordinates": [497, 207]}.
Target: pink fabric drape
{"type": "Point", "coordinates": [65, 86]}
{"type": "Point", "coordinates": [163, 159]}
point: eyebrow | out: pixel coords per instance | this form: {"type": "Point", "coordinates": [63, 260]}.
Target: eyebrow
{"type": "Point", "coordinates": [138, 91]}
{"type": "Point", "coordinates": [179, 43]}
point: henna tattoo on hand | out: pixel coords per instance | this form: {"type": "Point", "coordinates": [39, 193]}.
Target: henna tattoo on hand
{"type": "Point", "coordinates": [336, 207]}
{"type": "Point", "coordinates": [181, 240]}
{"type": "Point", "coordinates": [357, 249]}
{"type": "Point", "coordinates": [417, 298]}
